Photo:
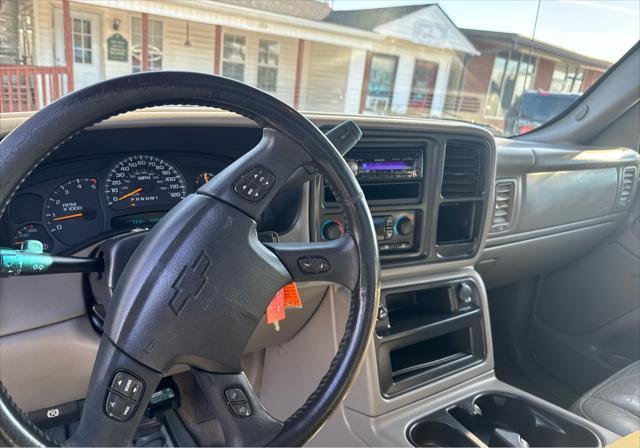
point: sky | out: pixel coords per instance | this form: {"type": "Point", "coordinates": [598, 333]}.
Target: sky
{"type": "Point", "coordinates": [602, 29]}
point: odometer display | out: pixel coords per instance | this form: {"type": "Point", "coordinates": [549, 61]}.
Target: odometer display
{"type": "Point", "coordinates": [143, 181]}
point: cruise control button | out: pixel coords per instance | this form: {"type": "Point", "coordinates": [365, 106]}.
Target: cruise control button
{"type": "Point", "coordinates": [119, 408]}
{"type": "Point", "coordinates": [249, 190]}
{"type": "Point", "coordinates": [261, 176]}
{"type": "Point", "coordinates": [127, 385]}
{"type": "Point", "coordinates": [307, 265]}
{"type": "Point", "coordinates": [322, 264]}
{"type": "Point", "coordinates": [241, 409]}
{"type": "Point", "coordinates": [235, 395]}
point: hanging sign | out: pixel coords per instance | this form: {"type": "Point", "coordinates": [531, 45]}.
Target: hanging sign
{"type": "Point", "coordinates": [117, 48]}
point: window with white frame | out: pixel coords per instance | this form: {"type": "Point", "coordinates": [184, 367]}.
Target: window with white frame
{"type": "Point", "coordinates": [234, 53]}
{"type": "Point", "coordinates": [82, 45]}
{"type": "Point", "coordinates": [154, 42]}
{"type": "Point", "coordinates": [268, 60]}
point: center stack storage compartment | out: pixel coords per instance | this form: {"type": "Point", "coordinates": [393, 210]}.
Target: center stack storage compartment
{"type": "Point", "coordinates": [427, 332]}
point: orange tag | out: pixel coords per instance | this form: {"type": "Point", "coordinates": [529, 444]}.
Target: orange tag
{"type": "Point", "coordinates": [287, 297]}
{"type": "Point", "coordinates": [291, 296]}
{"type": "Point", "coordinates": [276, 310]}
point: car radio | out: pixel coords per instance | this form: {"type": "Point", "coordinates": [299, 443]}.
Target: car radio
{"type": "Point", "coordinates": [375, 167]}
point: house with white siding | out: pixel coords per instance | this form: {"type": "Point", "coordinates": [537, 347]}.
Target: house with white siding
{"type": "Point", "coordinates": [395, 60]}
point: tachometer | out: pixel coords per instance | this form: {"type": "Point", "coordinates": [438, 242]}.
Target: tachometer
{"type": "Point", "coordinates": [73, 210]}
{"type": "Point", "coordinates": [144, 181]}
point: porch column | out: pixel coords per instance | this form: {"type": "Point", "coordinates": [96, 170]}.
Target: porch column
{"type": "Point", "coordinates": [296, 89]}
{"type": "Point", "coordinates": [355, 76]}
{"type": "Point", "coordinates": [217, 49]}
{"type": "Point", "coordinates": [68, 43]}
{"type": "Point", "coordinates": [365, 82]}
{"type": "Point", "coordinates": [440, 89]}
{"type": "Point", "coordinates": [402, 85]}
{"type": "Point", "coordinates": [145, 42]}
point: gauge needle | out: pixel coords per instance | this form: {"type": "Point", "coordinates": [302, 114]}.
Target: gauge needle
{"type": "Point", "coordinates": [131, 193]}
{"type": "Point", "coordinates": [61, 218]}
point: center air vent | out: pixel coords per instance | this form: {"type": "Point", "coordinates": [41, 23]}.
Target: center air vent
{"type": "Point", "coordinates": [626, 187]}
{"type": "Point", "coordinates": [503, 213]}
{"type": "Point", "coordinates": [461, 177]}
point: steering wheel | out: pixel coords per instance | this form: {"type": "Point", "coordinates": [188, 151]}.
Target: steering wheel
{"type": "Point", "coordinates": [195, 289]}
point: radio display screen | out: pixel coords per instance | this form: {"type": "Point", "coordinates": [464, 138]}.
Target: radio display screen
{"type": "Point", "coordinates": [387, 165]}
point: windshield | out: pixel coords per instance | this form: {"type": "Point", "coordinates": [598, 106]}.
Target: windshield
{"type": "Point", "coordinates": [508, 66]}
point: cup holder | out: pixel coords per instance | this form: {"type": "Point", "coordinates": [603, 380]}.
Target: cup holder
{"type": "Point", "coordinates": [500, 420]}
{"type": "Point", "coordinates": [429, 433]}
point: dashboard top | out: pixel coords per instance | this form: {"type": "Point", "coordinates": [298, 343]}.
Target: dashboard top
{"type": "Point", "coordinates": [189, 144]}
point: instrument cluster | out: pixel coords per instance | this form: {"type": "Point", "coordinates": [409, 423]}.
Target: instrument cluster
{"type": "Point", "coordinates": [72, 211]}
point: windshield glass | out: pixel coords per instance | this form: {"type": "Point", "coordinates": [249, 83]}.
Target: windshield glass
{"type": "Point", "coordinates": [508, 66]}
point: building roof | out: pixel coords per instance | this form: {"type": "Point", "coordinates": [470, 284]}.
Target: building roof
{"type": "Point", "coordinates": [304, 9]}
{"type": "Point", "coordinates": [514, 39]}
{"type": "Point", "coordinates": [369, 19]}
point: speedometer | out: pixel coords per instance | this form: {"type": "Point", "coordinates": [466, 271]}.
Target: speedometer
{"type": "Point", "coordinates": [143, 181]}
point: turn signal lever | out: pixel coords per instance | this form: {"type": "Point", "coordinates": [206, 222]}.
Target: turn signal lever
{"type": "Point", "coordinates": [343, 136]}
{"type": "Point", "coordinates": [31, 259]}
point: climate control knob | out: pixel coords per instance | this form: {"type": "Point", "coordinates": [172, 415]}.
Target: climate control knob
{"type": "Point", "coordinates": [405, 226]}
{"type": "Point", "coordinates": [332, 229]}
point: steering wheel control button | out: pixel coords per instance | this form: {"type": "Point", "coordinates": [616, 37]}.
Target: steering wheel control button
{"type": "Point", "coordinates": [248, 190]}
{"type": "Point", "coordinates": [241, 409]}
{"type": "Point", "coordinates": [235, 395]}
{"type": "Point", "coordinates": [255, 183]}
{"type": "Point", "coordinates": [307, 265]}
{"type": "Point", "coordinates": [322, 265]}
{"type": "Point", "coordinates": [119, 408]}
{"type": "Point", "coordinates": [261, 176]}
{"type": "Point", "coordinates": [127, 385]}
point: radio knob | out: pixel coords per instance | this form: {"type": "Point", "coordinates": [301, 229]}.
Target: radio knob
{"type": "Point", "coordinates": [405, 226]}
{"type": "Point", "coordinates": [332, 229]}
{"type": "Point", "coordinates": [353, 166]}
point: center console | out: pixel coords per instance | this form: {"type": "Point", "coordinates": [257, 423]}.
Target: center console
{"type": "Point", "coordinates": [427, 196]}
{"type": "Point", "coordinates": [426, 332]}
{"type": "Point", "coordinates": [429, 378]}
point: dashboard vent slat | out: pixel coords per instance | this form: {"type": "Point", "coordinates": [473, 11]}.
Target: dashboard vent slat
{"type": "Point", "coordinates": [503, 212]}
{"type": "Point", "coordinates": [461, 176]}
{"type": "Point", "coordinates": [626, 186]}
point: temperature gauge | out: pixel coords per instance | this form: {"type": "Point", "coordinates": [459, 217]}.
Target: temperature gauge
{"type": "Point", "coordinates": [203, 178]}
{"type": "Point", "coordinates": [33, 232]}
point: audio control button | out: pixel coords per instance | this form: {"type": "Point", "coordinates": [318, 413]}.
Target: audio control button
{"type": "Point", "coordinates": [307, 265]}
{"type": "Point", "coordinates": [322, 265]}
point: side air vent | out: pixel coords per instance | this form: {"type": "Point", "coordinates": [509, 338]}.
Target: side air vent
{"type": "Point", "coordinates": [461, 177]}
{"type": "Point", "coordinates": [503, 213]}
{"type": "Point", "coordinates": [626, 188]}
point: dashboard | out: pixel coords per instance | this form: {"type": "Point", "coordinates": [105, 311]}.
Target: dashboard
{"type": "Point", "coordinates": [445, 197]}
{"type": "Point", "coordinates": [100, 185]}
{"type": "Point", "coordinates": [441, 194]}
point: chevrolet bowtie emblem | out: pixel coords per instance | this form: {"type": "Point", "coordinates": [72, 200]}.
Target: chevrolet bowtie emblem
{"type": "Point", "coordinates": [190, 283]}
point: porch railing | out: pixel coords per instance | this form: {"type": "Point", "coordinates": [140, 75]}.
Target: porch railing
{"type": "Point", "coordinates": [27, 87]}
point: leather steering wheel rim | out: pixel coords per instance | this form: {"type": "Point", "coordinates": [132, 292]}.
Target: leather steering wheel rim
{"type": "Point", "coordinates": [29, 144]}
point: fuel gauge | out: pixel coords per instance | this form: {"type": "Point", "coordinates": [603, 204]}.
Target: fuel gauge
{"type": "Point", "coordinates": [203, 178]}
{"type": "Point", "coordinates": [33, 232]}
